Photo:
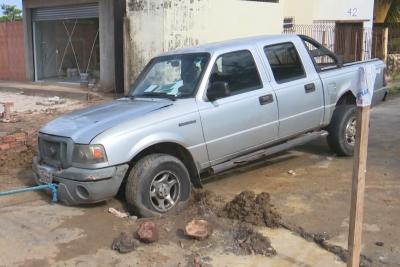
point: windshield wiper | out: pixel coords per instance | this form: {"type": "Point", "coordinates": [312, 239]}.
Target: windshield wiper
{"type": "Point", "coordinates": [157, 95]}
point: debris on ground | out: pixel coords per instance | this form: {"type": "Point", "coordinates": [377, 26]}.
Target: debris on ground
{"type": "Point", "coordinates": [321, 239]}
{"type": "Point", "coordinates": [205, 201]}
{"type": "Point", "coordinates": [118, 213]}
{"type": "Point", "coordinates": [5, 111]}
{"type": "Point", "coordinates": [51, 101]}
{"type": "Point", "coordinates": [291, 172]}
{"type": "Point", "coordinates": [125, 243]}
{"type": "Point", "coordinates": [254, 209]}
{"type": "Point", "coordinates": [133, 217]}
{"type": "Point", "coordinates": [196, 260]}
{"type": "Point", "coordinates": [147, 232]}
{"type": "Point", "coordinates": [247, 241]}
{"type": "Point", "coordinates": [197, 229]}
{"type": "Point", "coordinates": [379, 243]}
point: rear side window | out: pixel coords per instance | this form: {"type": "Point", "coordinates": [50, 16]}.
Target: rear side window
{"type": "Point", "coordinates": [239, 70]}
{"type": "Point", "coordinates": [285, 62]}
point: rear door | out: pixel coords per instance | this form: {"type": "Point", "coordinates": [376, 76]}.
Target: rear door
{"type": "Point", "coordinates": [246, 119]}
{"type": "Point", "coordinates": [297, 86]}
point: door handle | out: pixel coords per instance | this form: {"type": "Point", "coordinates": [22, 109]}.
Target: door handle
{"type": "Point", "coordinates": [266, 99]}
{"type": "Point", "coordinates": [309, 87]}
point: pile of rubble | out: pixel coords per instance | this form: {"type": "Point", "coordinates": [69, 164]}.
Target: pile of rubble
{"type": "Point", "coordinates": [207, 219]}
{"type": "Point", "coordinates": [5, 111]}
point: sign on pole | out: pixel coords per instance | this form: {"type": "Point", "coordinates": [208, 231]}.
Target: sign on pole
{"type": "Point", "coordinates": [364, 92]}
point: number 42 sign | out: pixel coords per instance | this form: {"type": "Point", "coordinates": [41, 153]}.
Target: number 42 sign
{"type": "Point", "coordinates": [353, 12]}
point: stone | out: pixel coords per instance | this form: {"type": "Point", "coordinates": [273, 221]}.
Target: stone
{"type": "Point", "coordinates": [197, 229]}
{"type": "Point", "coordinates": [125, 243]}
{"type": "Point", "coordinates": [147, 232]}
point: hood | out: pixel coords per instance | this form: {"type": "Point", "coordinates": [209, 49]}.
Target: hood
{"type": "Point", "coordinates": [84, 125]}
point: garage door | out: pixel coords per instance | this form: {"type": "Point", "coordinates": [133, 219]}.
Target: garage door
{"type": "Point", "coordinates": [66, 12]}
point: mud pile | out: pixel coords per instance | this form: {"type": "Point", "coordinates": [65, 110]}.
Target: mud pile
{"type": "Point", "coordinates": [12, 159]}
{"type": "Point", "coordinates": [254, 209]}
{"type": "Point", "coordinates": [247, 241]}
{"type": "Point", "coordinates": [205, 202]}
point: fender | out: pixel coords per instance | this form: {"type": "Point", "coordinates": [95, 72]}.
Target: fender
{"type": "Point", "coordinates": [167, 138]}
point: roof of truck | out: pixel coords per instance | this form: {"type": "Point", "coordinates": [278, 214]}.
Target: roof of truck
{"type": "Point", "coordinates": [231, 44]}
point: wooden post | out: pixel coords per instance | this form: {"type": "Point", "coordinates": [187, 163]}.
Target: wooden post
{"type": "Point", "coordinates": [385, 44]}
{"type": "Point", "coordinates": [358, 187]}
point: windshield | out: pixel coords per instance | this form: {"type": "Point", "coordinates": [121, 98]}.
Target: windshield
{"type": "Point", "coordinates": [175, 76]}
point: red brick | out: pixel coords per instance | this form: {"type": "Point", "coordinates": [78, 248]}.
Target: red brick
{"type": "Point", "coordinates": [12, 145]}
{"type": "Point", "coordinates": [20, 136]}
{"type": "Point", "coordinates": [4, 146]}
{"type": "Point", "coordinates": [20, 139]}
{"type": "Point", "coordinates": [20, 149]}
{"type": "Point", "coordinates": [8, 139]}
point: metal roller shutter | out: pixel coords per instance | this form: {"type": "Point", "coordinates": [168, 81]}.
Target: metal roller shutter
{"type": "Point", "coordinates": [66, 12]}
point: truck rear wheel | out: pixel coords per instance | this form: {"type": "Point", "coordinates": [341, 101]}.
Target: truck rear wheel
{"type": "Point", "coordinates": [158, 184]}
{"type": "Point", "coordinates": [342, 130]}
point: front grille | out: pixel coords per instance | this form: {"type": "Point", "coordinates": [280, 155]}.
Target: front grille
{"type": "Point", "coordinates": [55, 151]}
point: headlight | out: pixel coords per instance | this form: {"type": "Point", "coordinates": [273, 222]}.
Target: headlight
{"type": "Point", "coordinates": [89, 154]}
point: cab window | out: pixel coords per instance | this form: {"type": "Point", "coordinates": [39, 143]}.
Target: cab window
{"type": "Point", "coordinates": [285, 62]}
{"type": "Point", "coordinates": [239, 70]}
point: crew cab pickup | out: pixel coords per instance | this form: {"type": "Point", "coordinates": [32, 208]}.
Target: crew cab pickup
{"type": "Point", "coordinates": [197, 111]}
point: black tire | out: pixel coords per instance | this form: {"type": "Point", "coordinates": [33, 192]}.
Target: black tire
{"type": "Point", "coordinates": [337, 139]}
{"type": "Point", "coordinates": [144, 176]}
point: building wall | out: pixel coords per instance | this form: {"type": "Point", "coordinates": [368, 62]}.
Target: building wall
{"type": "Point", "coordinates": [302, 15]}
{"type": "Point", "coordinates": [154, 26]}
{"type": "Point", "coordinates": [338, 10]}
{"type": "Point", "coordinates": [12, 56]}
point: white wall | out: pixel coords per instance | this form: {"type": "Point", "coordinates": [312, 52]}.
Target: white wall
{"type": "Point", "coordinates": [154, 26]}
{"type": "Point", "coordinates": [308, 11]}
{"type": "Point", "coordinates": [348, 10]}
{"type": "Point", "coordinates": [302, 11]}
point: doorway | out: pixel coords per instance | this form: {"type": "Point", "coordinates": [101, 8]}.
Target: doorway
{"type": "Point", "coordinates": [64, 49]}
{"type": "Point", "coordinates": [66, 43]}
{"type": "Point", "coordinates": [349, 40]}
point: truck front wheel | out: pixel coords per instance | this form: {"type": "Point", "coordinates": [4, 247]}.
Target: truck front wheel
{"type": "Point", "coordinates": [157, 184]}
{"type": "Point", "coordinates": [342, 130]}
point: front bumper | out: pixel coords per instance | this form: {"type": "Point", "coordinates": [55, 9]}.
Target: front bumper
{"type": "Point", "coordinates": [81, 186]}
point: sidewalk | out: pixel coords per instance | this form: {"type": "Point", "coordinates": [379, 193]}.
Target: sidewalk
{"type": "Point", "coordinates": [52, 89]}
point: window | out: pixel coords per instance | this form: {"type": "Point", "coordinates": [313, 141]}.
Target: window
{"type": "Point", "coordinates": [175, 76]}
{"type": "Point", "coordinates": [285, 62]}
{"type": "Point", "coordinates": [239, 70]}
{"type": "Point", "coordinates": [288, 23]}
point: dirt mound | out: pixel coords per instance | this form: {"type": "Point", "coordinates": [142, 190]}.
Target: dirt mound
{"type": "Point", "coordinates": [247, 241]}
{"type": "Point", "coordinates": [12, 159]}
{"type": "Point", "coordinates": [206, 202]}
{"type": "Point", "coordinates": [254, 209]}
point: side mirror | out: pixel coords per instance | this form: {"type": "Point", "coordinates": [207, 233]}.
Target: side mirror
{"type": "Point", "coordinates": [218, 90]}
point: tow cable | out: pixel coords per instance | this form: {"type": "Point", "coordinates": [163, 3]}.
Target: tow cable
{"type": "Point", "coordinates": [51, 186]}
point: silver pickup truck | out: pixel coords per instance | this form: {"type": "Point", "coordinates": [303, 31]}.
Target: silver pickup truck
{"type": "Point", "coordinates": [198, 111]}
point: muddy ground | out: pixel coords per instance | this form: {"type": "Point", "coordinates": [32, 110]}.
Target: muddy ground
{"type": "Point", "coordinates": [309, 188]}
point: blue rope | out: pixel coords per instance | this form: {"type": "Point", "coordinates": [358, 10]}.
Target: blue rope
{"type": "Point", "coordinates": [52, 187]}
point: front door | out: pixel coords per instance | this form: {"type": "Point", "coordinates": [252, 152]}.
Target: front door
{"type": "Point", "coordinates": [246, 119]}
